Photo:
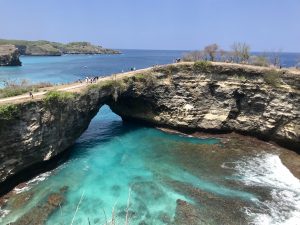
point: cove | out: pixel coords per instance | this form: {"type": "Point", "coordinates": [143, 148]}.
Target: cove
{"type": "Point", "coordinates": [113, 158]}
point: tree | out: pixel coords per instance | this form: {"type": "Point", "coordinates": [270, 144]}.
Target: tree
{"type": "Point", "coordinates": [275, 58]}
{"type": "Point", "coordinates": [225, 56]}
{"type": "Point", "coordinates": [241, 52]}
{"type": "Point", "coordinates": [211, 51]}
{"type": "Point", "coordinates": [193, 56]}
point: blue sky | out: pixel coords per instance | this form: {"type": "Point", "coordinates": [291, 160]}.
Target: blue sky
{"type": "Point", "coordinates": [156, 24]}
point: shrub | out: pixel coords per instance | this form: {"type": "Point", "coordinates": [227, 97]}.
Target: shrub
{"type": "Point", "coordinates": [140, 76]}
{"type": "Point", "coordinates": [58, 96]}
{"type": "Point", "coordinates": [168, 70]}
{"type": "Point", "coordinates": [260, 61]}
{"type": "Point", "coordinates": [8, 112]}
{"type": "Point", "coordinates": [202, 66]}
{"type": "Point", "coordinates": [272, 77]}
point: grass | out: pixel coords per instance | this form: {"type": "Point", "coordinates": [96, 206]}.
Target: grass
{"type": "Point", "coordinates": [272, 77]}
{"type": "Point", "coordinates": [8, 111]}
{"type": "Point", "coordinates": [13, 88]}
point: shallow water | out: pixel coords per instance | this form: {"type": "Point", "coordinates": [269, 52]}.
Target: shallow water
{"type": "Point", "coordinates": [113, 161]}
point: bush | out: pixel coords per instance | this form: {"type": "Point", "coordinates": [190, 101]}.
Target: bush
{"type": "Point", "coordinates": [272, 77]}
{"type": "Point", "coordinates": [260, 61]}
{"type": "Point", "coordinates": [8, 112]}
{"type": "Point", "coordinates": [202, 66]}
{"type": "Point", "coordinates": [168, 70]}
{"type": "Point", "coordinates": [140, 76]}
{"type": "Point", "coordinates": [58, 96]}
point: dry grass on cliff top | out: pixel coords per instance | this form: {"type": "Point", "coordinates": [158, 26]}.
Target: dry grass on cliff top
{"type": "Point", "coordinates": [12, 88]}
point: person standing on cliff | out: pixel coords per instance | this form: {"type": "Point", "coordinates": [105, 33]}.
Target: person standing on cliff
{"type": "Point", "coordinates": [30, 94]}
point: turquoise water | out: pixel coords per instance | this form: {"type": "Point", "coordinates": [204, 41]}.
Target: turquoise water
{"type": "Point", "coordinates": [112, 159]}
{"type": "Point", "coordinates": [115, 161]}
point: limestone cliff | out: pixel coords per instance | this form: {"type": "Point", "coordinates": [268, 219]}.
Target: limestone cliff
{"type": "Point", "coordinates": [9, 56]}
{"type": "Point", "coordinates": [217, 98]}
{"type": "Point", "coordinates": [198, 97]}
{"type": "Point", "coordinates": [36, 131]}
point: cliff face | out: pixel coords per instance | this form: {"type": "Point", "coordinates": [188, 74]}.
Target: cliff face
{"type": "Point", "coordinates": [36, 131]}
{"type": "Point", "coordinates": [9, 56]}
{"type": "Point", "coordinates": [217, 98]}
{"type": "Point", "coordinates": [198, 97]}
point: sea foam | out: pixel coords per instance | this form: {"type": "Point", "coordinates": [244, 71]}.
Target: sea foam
{"type": "Point", "coordinates": [267, 170]}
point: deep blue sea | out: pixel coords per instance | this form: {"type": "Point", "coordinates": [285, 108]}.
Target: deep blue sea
{"type": "Point", "coordinates": [115, 161]}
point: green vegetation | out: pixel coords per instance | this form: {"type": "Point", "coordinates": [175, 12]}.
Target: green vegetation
{"type": "Point", "coordinates": [272, 77]}
{"type": "Point", "coordinates": [8, 111]}
{"type": "Point", "coordinates": [140, 76]}
{"type": "Point", "coordinates": [58, 96]}
{"type": "Point", "coordinates": [12, 88]}
{"type": "Point", "coordinates": [168, 70]}
{"type": "Point", "coordinates": [55, 48]}
{"type": "Point", "coordinates": [202, 66]}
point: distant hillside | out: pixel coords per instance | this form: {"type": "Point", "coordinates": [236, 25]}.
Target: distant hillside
{"type": "Point", "coordinates": [47, 48]}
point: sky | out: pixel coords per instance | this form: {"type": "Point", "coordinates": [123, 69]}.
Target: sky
{"type": "Point", "coordinates": [266, 25]}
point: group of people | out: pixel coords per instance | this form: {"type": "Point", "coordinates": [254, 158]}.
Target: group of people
{"type": "Point", "coordinates": [89, 80]}
{"type": "Point", "coordinates": [178, 60]}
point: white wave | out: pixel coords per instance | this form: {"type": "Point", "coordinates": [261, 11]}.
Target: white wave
{"type": "Point", "coordinates": [3, 213]}
{"type": "Point", "coordinates": [32, 182]}
{"type": "Point", "coordinates": [267, 170]}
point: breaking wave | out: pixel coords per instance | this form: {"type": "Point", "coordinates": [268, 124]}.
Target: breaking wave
{"type": "Point", "coordinates": [267, 171]}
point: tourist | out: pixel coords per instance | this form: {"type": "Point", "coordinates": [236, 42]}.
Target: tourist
{"type": "Point", "coordinates": [30, 94]}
